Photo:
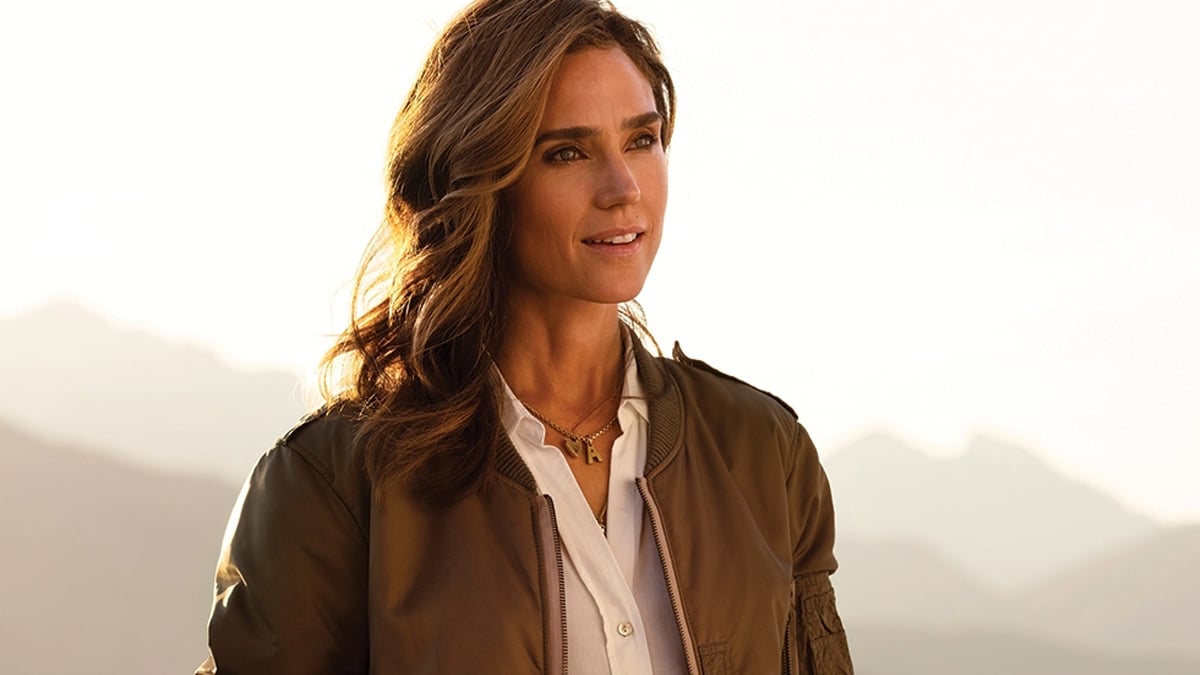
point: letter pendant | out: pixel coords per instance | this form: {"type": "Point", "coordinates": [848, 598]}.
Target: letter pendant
{"type": "Point", "coordinates": [573, 446]}
{"type": "Point", "coordinates": [592, 455]}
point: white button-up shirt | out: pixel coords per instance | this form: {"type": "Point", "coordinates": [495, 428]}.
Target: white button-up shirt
{"type": "Point", "coordinates": [619, 617]}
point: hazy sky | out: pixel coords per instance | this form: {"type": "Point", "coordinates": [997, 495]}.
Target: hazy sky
{"type": "Point", "coordinates": [933, 217]}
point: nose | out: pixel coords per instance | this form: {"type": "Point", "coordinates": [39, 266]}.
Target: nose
{"type": "Point", "coordinates": [618, 186]}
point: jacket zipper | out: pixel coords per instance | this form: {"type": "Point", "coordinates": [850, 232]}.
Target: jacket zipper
{"type": "Point", "coordinates": [664, 557]}
{"type": "Point", "coordinates": [561, 582]}
{"type": "Point", "coordinates": [787, 648]}
{"type": "Point", "coordinates": [787, 633]}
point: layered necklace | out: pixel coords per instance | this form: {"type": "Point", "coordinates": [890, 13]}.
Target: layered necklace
{"type": "Point", "coordinates": [580, 444]}
{"type": "Point", "coordinates": [584, 445]}
{"type": "Point", "coordinates": [576, 444]}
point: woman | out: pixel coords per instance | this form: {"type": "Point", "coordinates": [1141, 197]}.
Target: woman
{"type": "Point", "coordinates": [505, 480]}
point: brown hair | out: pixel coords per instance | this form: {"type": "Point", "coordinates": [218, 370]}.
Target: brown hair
{"type": "Point", "coordinates": [429, 295]}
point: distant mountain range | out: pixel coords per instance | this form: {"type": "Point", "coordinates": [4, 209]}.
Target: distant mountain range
{"type": "Point", "coordinates": [1144, 597]}
{"type": "Point", "coordinates": [108, 567]}
{"type": "Point", "coordinates": [906, 582]}
{"type": "Point", "coordinates": [989, 562]}
{"type": "Point", "coordinates": [996, 510]}
{"type": "Point", "coordinates": [895, 650]}
{"type": "Point", "coordinates": [71, 375]}
{"type": "Point", "coordinates": [1137, 602]}
{"type": "Point", "coordinates": [994, 542]}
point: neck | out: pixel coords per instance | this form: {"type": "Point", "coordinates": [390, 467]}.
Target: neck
{"type": "Point", "coordinates": [562, 362]}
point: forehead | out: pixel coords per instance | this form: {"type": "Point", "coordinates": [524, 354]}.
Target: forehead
{"type": "Point", "coordinates": [594, 87]}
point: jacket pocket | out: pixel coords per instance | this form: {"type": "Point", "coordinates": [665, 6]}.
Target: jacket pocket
{"type": "Point", "coordinates": [831, 655]}
{"type": "Point", "coordinates": [825, 649]}
{"type": "Point", "coordinates": [714, 659]}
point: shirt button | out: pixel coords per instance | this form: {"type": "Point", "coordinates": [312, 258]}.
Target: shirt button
{"type": "Point", "coordinates": [625, 629]}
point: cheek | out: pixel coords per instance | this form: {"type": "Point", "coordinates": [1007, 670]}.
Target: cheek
{"type": "Point", "coordinates": [540, 207]}
{"type": "Point", "coordinates": [536, 229]}
{"type": "Point", "coordinates": [654, 191]}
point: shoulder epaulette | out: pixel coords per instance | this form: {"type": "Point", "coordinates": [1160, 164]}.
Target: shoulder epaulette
{"type": "Point", "coordinates": [678, 355]}
{"type": "Point", "coordinates": [303, 422]}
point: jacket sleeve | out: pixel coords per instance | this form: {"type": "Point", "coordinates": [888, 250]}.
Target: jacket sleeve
{"type": "Point", "coordinates": [820, 647]}
{"type": "Point", "coordinates": [290, 593]}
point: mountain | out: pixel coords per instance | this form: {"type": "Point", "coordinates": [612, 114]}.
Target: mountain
{"type": "Point", "coordinates": [1140, 602]}
{"type": "Point", "coordinates": [71, 375]}
{"type": "Point", "coordinates": [1143, 598]}
{"type": "Point", "coordinates": [997, 510]}
{"type": "Point", "coordinates": [108, 566]}
{"type": "Point", "coordinates": [890, 650]}
{"type": "Point", "coordinates": [908, 583]}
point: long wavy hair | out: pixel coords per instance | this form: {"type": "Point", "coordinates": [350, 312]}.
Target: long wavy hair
{"type": "Point", "coordinates": [428, 301]}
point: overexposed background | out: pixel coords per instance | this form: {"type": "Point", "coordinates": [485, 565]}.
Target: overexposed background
{"type": "Point", "coordinates": [931, 219]}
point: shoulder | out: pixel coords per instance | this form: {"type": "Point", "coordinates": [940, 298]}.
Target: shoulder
{"type": "Point", "coordinates": [325, 445]}
{"type": "Point", "coordinates": [328, 438]}
{"type": "Point", "coordinates": [711, 390]}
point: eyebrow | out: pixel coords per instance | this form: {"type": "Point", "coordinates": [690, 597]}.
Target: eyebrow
{"type": "Point", "coordinates": [577, 133]}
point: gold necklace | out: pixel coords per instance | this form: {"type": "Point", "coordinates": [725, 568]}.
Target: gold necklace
{"type": "Point", "coordinates": [591, 410]}
{"type": "Point", "coordinates": [574, 443]}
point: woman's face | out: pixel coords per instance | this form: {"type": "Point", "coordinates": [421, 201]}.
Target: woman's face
{"type": "Point", "coordinates": [588, 209]}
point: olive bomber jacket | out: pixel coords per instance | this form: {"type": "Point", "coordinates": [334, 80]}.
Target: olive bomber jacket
{"type": "Point", "coordinates": [316, 576]}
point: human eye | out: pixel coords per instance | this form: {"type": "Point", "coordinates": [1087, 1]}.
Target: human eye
{"type": "Point", "coordinates": [645, 140]}
{"type": "Point", "coordinates": [564, 155]}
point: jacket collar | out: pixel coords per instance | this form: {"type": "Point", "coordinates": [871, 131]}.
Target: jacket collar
{"type": "Point", "coordinates": [665, 403]}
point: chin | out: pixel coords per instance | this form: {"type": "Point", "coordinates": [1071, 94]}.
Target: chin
{"type": "Point", "coordinates": [617, 297]}
{"type": "Point", "coordinates": [621, 288]}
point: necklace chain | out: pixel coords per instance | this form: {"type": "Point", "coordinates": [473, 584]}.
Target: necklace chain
{"type": "Point", "coordinates": [576, 444]}
{"type": "Point", "coordinates": [591, 410]}
{"type": "Point", "coordinates": [573, 443]}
